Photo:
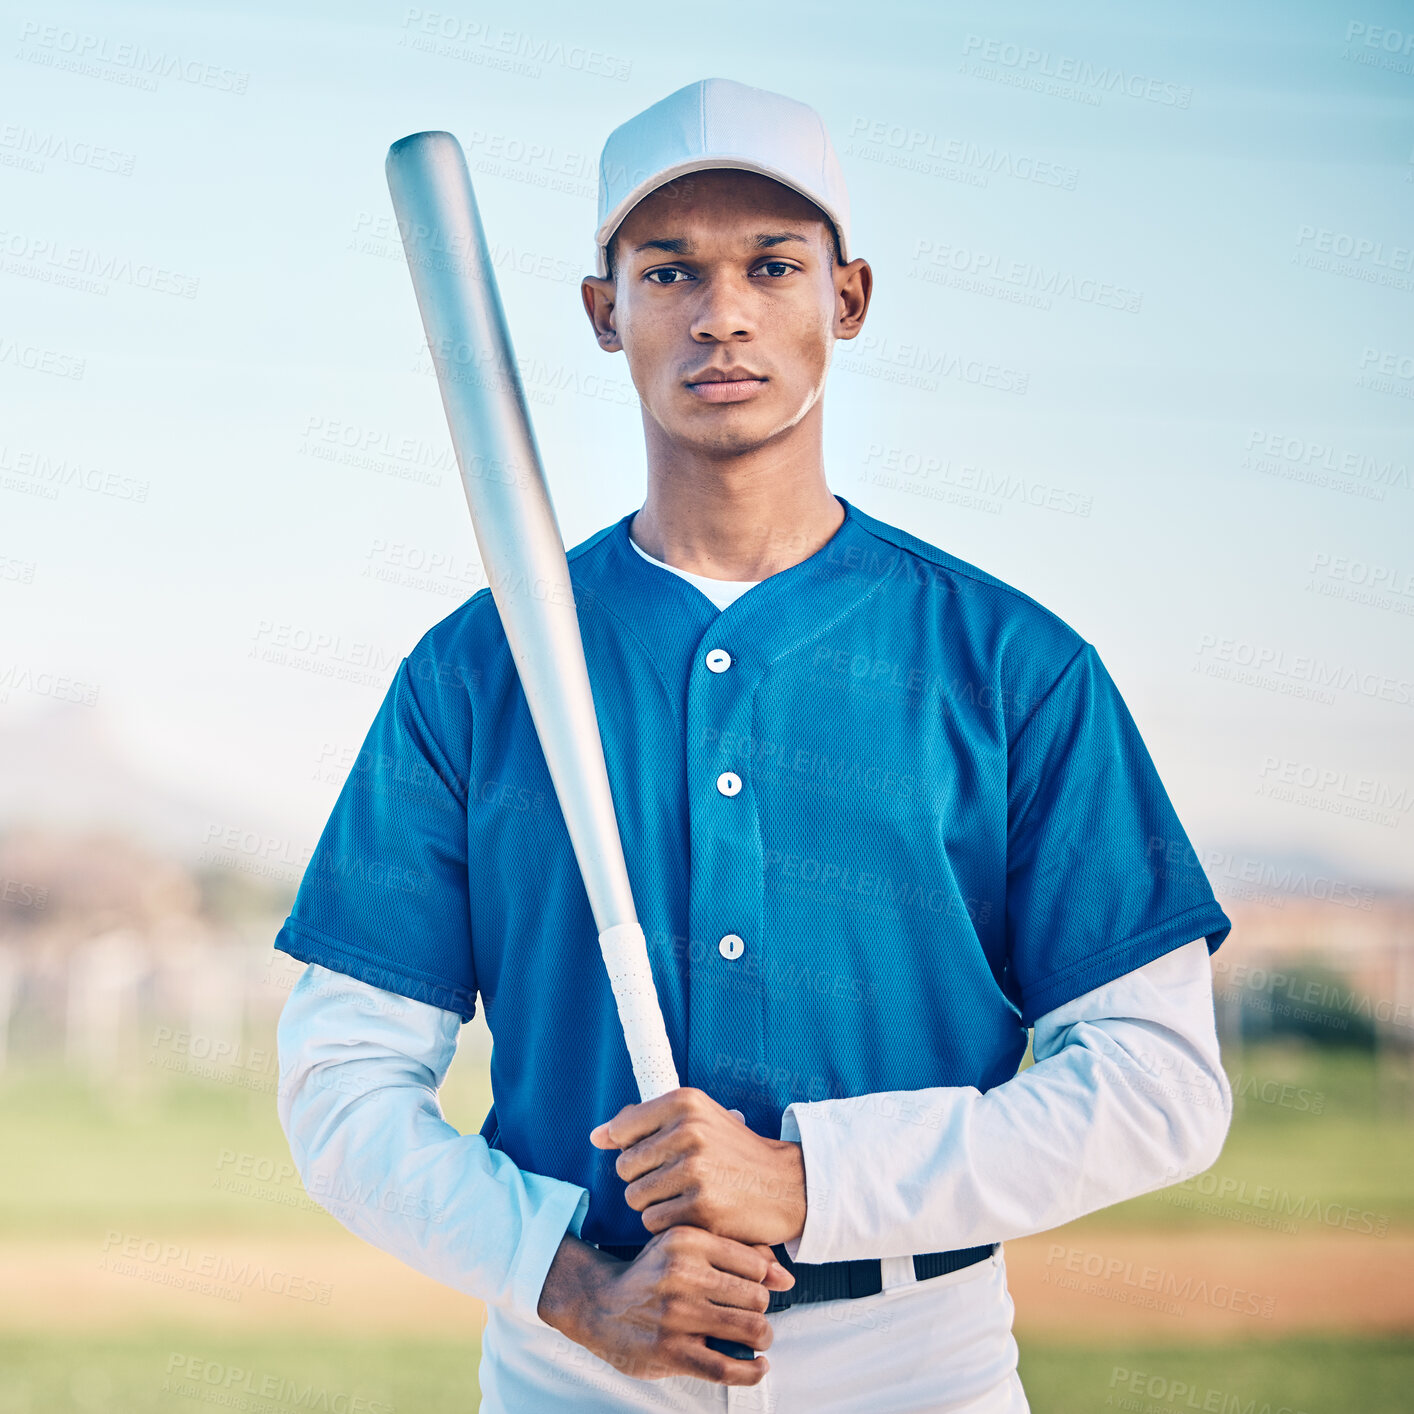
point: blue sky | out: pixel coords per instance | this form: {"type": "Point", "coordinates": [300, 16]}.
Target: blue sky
{"type": "Point", "coordinates": [1179, 235]}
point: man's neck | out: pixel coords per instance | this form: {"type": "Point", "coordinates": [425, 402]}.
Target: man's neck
{"type": "Point", "coordinates": [736, 533]}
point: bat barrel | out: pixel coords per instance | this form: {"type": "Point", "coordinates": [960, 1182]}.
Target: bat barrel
{"type": "Point", "coordinates": [522, 549]}
{"type": "Point", "coordinates": [506, 492]}
{"type": "Point", "coordinates": [470, 345]}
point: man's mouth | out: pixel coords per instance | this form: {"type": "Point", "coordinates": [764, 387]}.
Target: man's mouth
{"type": "Point", "coordinates": [726, 390]}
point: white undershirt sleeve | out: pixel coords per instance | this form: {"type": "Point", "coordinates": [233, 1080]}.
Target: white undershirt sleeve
{"type": "Point", "coordinates": [359, 1072]}
{"type": "Point", "coordinates": [1127, 1094]}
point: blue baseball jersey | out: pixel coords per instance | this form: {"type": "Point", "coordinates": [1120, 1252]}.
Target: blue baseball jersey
{"type": "Point", "coordinates": [880, 813]}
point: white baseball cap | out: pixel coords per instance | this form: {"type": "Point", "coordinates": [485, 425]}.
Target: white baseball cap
{"type": "Point", "coordinates": [719, 123]}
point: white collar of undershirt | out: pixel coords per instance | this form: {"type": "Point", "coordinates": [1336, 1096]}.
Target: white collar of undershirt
{"type": "Point", "coordinates": [720, 591]}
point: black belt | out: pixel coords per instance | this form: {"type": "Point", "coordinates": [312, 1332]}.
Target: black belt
{"type": "Point", "coordinates": [835, 1281]}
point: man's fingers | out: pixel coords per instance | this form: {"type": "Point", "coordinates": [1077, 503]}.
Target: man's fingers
{"type": "Point", "coordinates": [755, 1263]}
{"type": "Point", "coordinates": [732, 1323]}
{"type": "Point", "coordinates": [669, 1214]}
{"type": "Point", "coordinates": [695, 1315]}
{"type": "Point", "coordinates": [710, 1287]}
{"type": "Point", "coordinates": [643, 1157]}
{"type": "Point", "coordinates": [779, 1279]}
{"type": "Point", "coordinates": [658, 1184]}
{"type": "Point", "coordinates": [706, 1364]}
{"type": "Point", "coordinates": [728, 1290]}
{"type": "Point", "coordinates": [611, 1134]}
{"type": "Point", "coordinates": [635, 1122]}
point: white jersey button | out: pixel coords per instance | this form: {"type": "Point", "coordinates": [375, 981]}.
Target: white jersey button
{"type": "Point", "coordinates": [718, 660]}
{"type": "Point", "coordinates": [731, 947]}
{"type": "Point", "coordinates": [729, 783]}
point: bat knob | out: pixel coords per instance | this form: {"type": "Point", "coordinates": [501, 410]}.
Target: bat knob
{"type": "Point", "coordinates": [734, 1348]}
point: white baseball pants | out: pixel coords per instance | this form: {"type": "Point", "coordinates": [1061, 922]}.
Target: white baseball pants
{"type": "Point", "coordinates": [943, 1345]}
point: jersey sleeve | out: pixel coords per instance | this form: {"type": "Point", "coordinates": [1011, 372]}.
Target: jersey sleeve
{"type": "Point", "coordinates": [385, 896]}
{"type": "Point", "coordinates": [1101, 877]}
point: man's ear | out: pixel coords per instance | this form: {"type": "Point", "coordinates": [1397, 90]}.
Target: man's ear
{"type": "Point", "coordinates": [598, 296]}
{"type": "Point", "coordinates": [854, 283]}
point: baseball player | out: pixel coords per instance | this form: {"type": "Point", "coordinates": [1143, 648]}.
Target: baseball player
{"type": "Point", "coordinates": [883, 813]}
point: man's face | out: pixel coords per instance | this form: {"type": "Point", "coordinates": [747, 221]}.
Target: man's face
{"type": "Point", "coordinates": [726, 272]}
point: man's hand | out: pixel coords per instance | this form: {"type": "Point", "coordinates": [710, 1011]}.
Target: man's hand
{"type": "Point", "coordinates": [650, 1317]}
{"type": "Point", "coordinates": [689, 1161]}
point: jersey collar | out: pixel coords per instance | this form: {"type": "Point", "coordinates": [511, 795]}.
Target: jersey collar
{"type": "Point", "coordinates": [773, 617]}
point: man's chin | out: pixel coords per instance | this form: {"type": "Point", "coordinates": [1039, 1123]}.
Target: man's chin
{"type": "Point", "coordinates": [731, 429]}
{"type": "Point", "coordinates": [727, 441]}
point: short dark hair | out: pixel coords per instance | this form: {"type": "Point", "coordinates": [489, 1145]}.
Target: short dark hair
{"type": "Point", "coordinates": [614, 241]}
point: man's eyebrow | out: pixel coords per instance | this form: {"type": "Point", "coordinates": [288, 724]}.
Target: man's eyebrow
{"type": "Point", "coordinates": [680, 245]}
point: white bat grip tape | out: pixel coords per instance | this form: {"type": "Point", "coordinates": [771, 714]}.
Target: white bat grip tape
{"type": "Point", "coordinates": [626, 959]}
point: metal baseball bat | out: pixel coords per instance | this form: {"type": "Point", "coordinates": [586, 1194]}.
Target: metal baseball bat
{"type": "Point", "coordinates": [524, 555]}
{"type": "Point", "coordinates": [523, 552]}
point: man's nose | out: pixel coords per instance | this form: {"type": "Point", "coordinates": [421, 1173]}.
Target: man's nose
{"type": "Point", "coordinates": [724, 310]}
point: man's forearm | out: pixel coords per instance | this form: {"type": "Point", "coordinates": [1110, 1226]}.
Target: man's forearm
{"type": "Point", "coordinates": [359, 1072]}
{"type": "Point", "coordinates": [1127, 1095]}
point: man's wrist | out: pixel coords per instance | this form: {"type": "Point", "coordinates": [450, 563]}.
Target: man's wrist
{"type": "Point", "coordinates": [567, 1297]}
{"type": "Point", "coordinates": [791, 1191]}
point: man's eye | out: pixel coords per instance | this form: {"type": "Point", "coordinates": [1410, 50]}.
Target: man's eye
{"type": "Point", "coordinates": [669, 270]}
{"type": "Point", "coordinates": [779, 266]}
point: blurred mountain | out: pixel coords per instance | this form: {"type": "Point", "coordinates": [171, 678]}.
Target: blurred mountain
{"type": "Point", "coordinates": [1248, 871]}
{"type": "Point", "coordinates": [61, 768]}
{"type": "Point", "coordinates": [88, 840]}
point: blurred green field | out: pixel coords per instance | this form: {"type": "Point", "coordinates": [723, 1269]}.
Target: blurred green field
{"type": "Point", "coordinates": [166, 1154]}
{"type": "Point", "coordinates": [159, 1146]}
{"type": "Point", "coordinates": [1337, 1126]}
{"type": "Point", "coordinates": [169, 1372]}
